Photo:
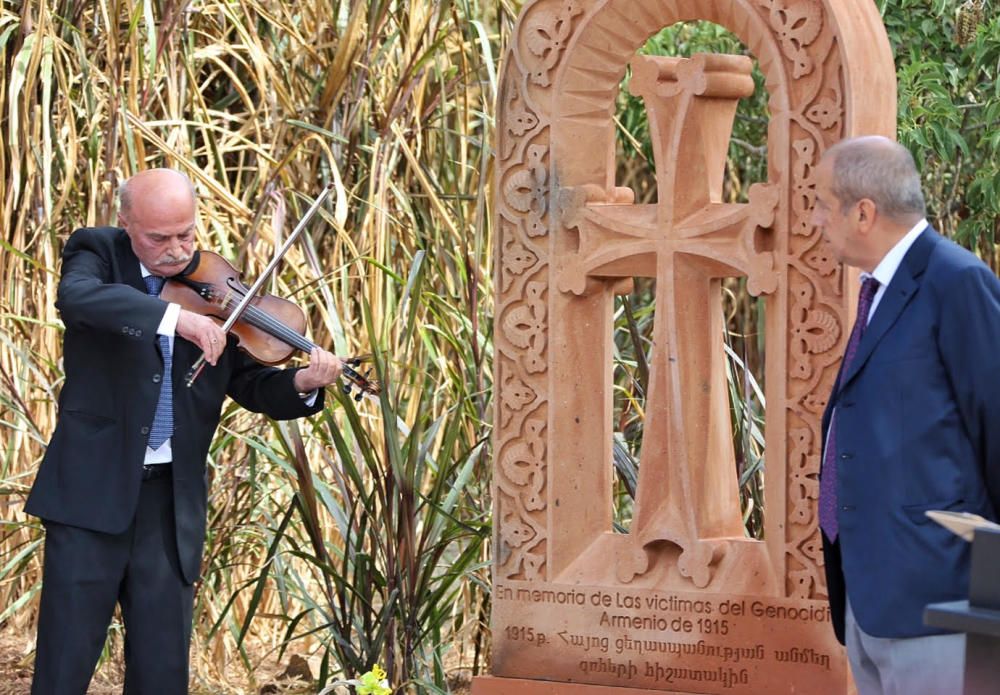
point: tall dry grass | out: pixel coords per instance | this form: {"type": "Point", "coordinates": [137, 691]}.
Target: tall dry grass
{"type": "Point", "coordinates": [359, 536]}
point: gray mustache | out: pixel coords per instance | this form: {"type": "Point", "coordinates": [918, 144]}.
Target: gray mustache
{"type": "Point", "coordinates": [174, 259]}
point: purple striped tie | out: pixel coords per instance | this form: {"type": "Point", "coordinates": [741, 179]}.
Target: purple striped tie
{"type": "Point", "coordinates": [828, 480]}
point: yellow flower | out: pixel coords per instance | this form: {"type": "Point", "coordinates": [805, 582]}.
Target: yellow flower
{"type": "Point", "coordinates": [373, 683]}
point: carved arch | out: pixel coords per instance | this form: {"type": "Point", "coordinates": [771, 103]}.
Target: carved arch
{"type": "Point", "coordinates": [829, 73]}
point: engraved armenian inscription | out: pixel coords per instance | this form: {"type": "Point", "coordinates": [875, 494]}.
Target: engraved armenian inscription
{"type": "Point", "coordinates": [687, 642]}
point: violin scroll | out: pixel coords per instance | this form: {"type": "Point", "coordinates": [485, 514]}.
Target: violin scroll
{"type": "Point", "coordinates": [354, 379]}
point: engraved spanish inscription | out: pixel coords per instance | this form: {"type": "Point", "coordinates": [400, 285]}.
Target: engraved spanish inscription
{"type": "Point", "coordinates": [692, 642]}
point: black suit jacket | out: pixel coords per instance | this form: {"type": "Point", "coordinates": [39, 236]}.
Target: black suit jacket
{"type": "Point", "coordinates": [918, 428]}
{"type": "Point", "coordinates": [91, 472]}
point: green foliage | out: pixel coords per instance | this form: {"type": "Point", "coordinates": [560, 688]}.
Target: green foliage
{"type": "Point", "coordinates": [949, 111]}
{"type": "Point", "coordinates": [409, 525]}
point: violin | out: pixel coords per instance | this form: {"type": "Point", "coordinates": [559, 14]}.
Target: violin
{"type": "Point", "coordinates": [269, 329]}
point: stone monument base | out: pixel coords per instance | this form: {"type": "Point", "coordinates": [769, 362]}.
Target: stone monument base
{"type": "Point", "coordinates": [489, 685]}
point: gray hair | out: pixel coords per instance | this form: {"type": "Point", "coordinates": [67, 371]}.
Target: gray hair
{"type": "Point", "coordinates": [125, 191]}
{"type": "Point", "coordinates": [880, 170]}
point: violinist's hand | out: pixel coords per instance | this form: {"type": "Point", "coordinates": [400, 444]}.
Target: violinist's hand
{"type": "Point", "coordinates": [203, 332]}
{"type": "Point", "coordinates": [324, 368]}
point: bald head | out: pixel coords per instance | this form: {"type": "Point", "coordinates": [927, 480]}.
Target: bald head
{"type": "Point", "coordinates": [154, 187]}
{"type": "Point", "coordinates": [157, 211]}
{"type": "Point", "coordinates": [883, 171]}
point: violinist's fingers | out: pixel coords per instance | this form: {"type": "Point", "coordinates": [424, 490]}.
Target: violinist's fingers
{"type": "Point", "coordinates": [332, 365]}
{"type": "Point", "coordinates": [216, 338]}
{"type": "Point", "coordinates": [203, 332]}
{"type": "Point", "coordinates": [324, 369]}
{"type": "Point", "coordinates": [326, 366]}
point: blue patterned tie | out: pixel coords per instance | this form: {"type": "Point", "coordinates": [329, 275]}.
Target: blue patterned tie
{"type": "Point", "coordinates": [163, 419]}
{"type": "Point", "coordinates": [828, 481]}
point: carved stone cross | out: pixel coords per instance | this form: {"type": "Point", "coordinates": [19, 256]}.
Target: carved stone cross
{"type": "Point", "coordinates": [576, 607]}
{"type": "Point", "coordinates": [689, 240]}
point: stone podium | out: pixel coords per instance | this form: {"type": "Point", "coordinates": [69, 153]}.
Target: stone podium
{"type": "Point", "coordinates": [684, 602]}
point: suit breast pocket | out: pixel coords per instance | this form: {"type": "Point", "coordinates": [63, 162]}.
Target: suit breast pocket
{"type": "Point", "coordinates": [908, 356]}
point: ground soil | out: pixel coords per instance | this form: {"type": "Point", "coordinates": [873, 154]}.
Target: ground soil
{"type": "Point", "coordinates": [17, 659]}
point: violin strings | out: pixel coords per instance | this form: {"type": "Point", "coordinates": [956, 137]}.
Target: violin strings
{"type": "Point", "coordinates": [273, 326]}
{"type": "Point", "coordinates": [278, 329]}
{"type": "Point", "coordinates": [266, 322]}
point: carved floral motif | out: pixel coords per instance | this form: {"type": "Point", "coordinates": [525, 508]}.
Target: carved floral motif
{"type": "Point", "coordinates": [821, 258]}
{"type": "Point", "coordinates": [514, 396]}
{"type": "Point", "coordinates": [825, 113]}
{"type": "Point", "coordinates": [814, 403]}
{"type": "Point", "coordinates": [546, 32]}
{"type": "Point", "coordinates": [525, 327]}
{"type": "Point", "coordinates": [796, 25]}
{"type": "Point", "coordinates": [527, 190]}
{"type": "Point", "coordinates": [804, 487]}
{"type": "Point", "coordinates": [523, 464]}
{"type": "Point", "coordinates": [517, 259]}
{"type": "Point", "coordinates": [803, 492]}
{"type": "Point", "coordinates": [813, 330]}
{"type": "Point", "coordinates": [520, 119]}
{"type": "Point", "coordinates": [803, 186]}
{"type": "Point", "coordinates": [520, 480]}
{"type": "Point", "coordinates": [521, 333]}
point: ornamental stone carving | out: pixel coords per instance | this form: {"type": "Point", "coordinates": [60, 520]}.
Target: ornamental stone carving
{"type": "Point", "coordinates": [574, 601]}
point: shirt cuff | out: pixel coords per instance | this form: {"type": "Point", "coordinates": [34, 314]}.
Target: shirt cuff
{"type": "Point", "coordinates": [309, 398]}
{"type": "Point", "coordinates": [168, 324]}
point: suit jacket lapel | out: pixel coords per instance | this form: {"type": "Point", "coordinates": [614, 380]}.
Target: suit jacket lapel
{"type": "Point", "coordinates": [131, 274]}
{"type": "Point", "coordinates": [128, 264]}
{"type": "Point", "coordinates": [897, 295]}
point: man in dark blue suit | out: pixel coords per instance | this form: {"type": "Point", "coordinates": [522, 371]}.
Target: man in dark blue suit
{"type": "Point", "coordinates": [122, 488]}
{"type": "Point", "coordinates": [913, 423]}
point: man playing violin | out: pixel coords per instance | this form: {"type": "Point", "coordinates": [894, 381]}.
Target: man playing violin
{"type": "Point", "coordinates": [122, 489]}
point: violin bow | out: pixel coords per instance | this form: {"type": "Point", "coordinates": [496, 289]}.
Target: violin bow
{"type": "Point", "coordinates": [234, 316]}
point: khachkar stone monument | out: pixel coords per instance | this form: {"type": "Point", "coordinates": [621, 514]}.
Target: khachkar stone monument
{"type": "Point", "coordinates": [685, 602]}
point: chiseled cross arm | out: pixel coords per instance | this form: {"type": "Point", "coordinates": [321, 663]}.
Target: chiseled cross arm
{"type": "Point", "coordinates": [691, 104]}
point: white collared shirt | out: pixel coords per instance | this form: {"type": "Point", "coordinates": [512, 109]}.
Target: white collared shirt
{"type": "Point", "coordinates": [167, 327]}
{"type": "Point", "coordinates": [887, 267]}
